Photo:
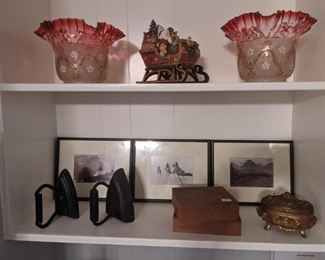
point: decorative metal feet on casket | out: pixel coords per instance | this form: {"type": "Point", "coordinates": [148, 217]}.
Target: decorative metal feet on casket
{"type": "Point", "coordinates": [170, 59]}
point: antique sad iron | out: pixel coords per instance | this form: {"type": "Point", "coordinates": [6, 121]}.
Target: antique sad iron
{"type": "Point", "coordinates": [65, 196]}
{"type": "Point", "coordinates": [119, 201]}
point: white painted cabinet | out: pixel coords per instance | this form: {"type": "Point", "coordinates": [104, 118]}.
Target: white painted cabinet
{"type": "Point", "coordinates": [36, 108]}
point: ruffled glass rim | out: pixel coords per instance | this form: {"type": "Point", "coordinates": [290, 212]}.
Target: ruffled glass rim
{"type": "Point", "coordinates": [282, 24]}
{"type": "Point", "coordinates": [73, 30]}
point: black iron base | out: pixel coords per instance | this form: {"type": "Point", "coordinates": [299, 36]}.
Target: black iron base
{"type": "Point", "coordinates": [179, 73]}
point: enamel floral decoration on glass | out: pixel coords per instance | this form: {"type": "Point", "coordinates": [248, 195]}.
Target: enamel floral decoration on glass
{"type": "Point", "coordinates": [267, 44]}
{"type": "Point", "coordinates": [81, 50]}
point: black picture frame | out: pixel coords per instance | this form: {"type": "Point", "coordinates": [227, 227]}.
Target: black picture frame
{"type": "Point", "coordinates": [124, 161]}
{"type": "Point", "coordinates": [237, 167]}
{"type": "Point", "coordinates": [188, 158]}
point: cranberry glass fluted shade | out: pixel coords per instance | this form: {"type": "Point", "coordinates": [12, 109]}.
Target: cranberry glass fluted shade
{"type": "Point", "coordinates": [81, 50]}
{"type": "Point", "coordinates": [267, 44]}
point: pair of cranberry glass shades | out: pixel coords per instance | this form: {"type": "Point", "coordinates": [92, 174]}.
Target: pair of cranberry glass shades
{"type": "Point", "coordinates": [266, 45]}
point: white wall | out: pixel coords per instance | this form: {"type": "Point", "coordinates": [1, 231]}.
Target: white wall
{"type": "Point", "coordinates": [309, 137]}
{"type": "Point", "coordinates": [311, 45]}
{"type": "Point", "coordinates": [13, 250]}
{"type": "Point", "coordinates": [23, 56]}
{"type": "Point", "coordinates": [163, 115]}
{"type": "Point", "coordinates": [29, 141]}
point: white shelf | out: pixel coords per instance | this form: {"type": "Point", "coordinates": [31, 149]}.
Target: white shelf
{"type": "Point", "coordinates": [32, 115]}
{"type": "Point", "coordinates": [190, 87]}
{"type": "Point", "coordinates": [153, 227]}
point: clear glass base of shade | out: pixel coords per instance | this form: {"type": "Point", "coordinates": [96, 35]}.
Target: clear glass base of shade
{"type": "Point", "coordinates": [266, 59]}
{"type": "Point", "coordinates": [267, 80]}
{"type": "Point", "coordinates": [78, 63]}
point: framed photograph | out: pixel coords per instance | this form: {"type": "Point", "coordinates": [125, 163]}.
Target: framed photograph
{"type": "Point", "coordinates": [250, 170]}
{"type": "Point", "coordinates": [160, 165]}
{"type": "Point", "coordinates": [92, 160]}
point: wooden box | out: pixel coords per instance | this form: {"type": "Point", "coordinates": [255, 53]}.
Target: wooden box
{"type": "Point", "coordinates": [208, 210]}
{"type": "Point", "coordinates": [229, 228]}
{"type": "Point", "coordinates": [204, 204]}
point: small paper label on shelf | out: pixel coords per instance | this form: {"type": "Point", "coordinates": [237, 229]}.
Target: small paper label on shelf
{"type": "Point", "coordinates": [226, 200]}
{"type": "Point", "coordinates": [298, 256]}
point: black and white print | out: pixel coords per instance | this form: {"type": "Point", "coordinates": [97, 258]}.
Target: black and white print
{"type": "Point", "coordinates": [171, 170]}
{"type": "Point", "coordinates": [251, 172]}
{"type": "Point", "coordinates": [92, 168]}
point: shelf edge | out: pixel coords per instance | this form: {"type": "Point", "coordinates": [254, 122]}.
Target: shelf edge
{"type": "Point", "coordinates": [130, 88]}
{"type": "Point", "coordinates": [168, 243]}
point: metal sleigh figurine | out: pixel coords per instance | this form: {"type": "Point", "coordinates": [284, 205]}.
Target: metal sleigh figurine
{"type": "Point", "coordinates": [169, 58]}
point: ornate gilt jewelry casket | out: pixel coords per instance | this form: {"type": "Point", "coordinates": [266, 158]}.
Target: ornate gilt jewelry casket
{"type": "Point", "coordinates": [287, 212]}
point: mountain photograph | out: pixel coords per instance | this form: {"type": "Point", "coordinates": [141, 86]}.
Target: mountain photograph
{"type": "Point", "coordinates": [252, 172]}
{"type": "Point", "coordinates": [91, 168]}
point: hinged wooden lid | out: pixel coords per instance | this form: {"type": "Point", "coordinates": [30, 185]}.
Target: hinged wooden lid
{"type": "Point", "coordinates": [202, 197]}
{"type": "Point", "coordinates": [204, 204]}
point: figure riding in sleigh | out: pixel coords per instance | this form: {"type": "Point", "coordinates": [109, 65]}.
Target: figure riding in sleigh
{"type": "Point", "coordinates": [170, 59]}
